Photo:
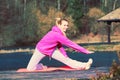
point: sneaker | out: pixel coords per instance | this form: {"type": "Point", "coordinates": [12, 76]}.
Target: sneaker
{"type": "Point", "coordinates": [40, 66]}
{"type": "Point", "coordinates": [89, 63]}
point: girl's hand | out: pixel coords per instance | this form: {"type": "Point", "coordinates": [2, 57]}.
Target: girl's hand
{"type": "Point", "coordinates": [90, 52]}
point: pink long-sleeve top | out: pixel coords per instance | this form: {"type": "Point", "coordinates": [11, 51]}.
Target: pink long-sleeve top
{"type": "Point", "coordinates": [55, 39]}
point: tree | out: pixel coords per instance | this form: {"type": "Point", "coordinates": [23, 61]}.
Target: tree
{"type": "Point", "coordinates": [75, 9]}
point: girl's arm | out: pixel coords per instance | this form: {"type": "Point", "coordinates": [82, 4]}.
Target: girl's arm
{"type": "Point", "coordinates": [67, 42]}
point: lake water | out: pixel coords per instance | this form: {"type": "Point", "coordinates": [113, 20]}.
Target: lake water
{"type": "Point", "coordinates": [9, 63]}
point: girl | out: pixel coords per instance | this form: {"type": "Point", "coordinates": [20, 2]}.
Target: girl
{"type": "Point", "coordinates": [52, 45]}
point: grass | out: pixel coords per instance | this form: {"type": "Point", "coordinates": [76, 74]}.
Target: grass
{"type": "Point", "coordinates": [90, 46]}
{"type": "Point", "coordinates": [16, 50]}
{"type": "Point", "coordinates": [101, 46]}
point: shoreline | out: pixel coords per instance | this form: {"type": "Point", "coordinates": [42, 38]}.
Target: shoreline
{"type": "Point", "coordinates": [113, 46]}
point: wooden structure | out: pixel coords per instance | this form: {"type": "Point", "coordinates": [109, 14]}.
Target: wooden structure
{"type": "Point", "coordinates": [113, 16]}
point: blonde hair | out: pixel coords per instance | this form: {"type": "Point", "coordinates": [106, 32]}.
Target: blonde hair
{"type": "Point", "coordinates": [59, 21]}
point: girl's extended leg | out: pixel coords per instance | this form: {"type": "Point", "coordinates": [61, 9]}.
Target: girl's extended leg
{"type": "Point", "coordinates": [34, 61]}
{"type": "Point", "coordinates": [70, 62]}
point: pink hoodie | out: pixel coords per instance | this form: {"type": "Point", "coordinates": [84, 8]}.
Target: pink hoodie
{"type": "Point", "coordinates": [55, 39]}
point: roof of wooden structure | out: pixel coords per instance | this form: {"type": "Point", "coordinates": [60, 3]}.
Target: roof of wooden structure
{"type": "Point", "coordinates": [113, 16]}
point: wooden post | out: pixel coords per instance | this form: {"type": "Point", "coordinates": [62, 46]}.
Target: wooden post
{"type": "Point", "coordinates": [109, 31]}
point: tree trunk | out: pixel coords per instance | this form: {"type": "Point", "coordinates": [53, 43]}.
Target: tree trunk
{"type": "Point", "coordinates": [114, 5]}
{"type": "Point", "coordinates": [24, 8]}
{"type": "Point", "coordinates": [105, 3]}
{"type": "Point", "coordinates": [58, 7]}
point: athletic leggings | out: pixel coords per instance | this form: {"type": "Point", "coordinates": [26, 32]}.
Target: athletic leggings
{"type": "Point", "coordinates": [57, 55]}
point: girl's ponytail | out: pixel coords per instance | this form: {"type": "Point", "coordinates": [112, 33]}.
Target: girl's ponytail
{"type": "Point", "coordinates": [58, 21]}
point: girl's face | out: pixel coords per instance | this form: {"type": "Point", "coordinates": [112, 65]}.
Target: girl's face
{"type": "Point", "coordinates": [63, 26]}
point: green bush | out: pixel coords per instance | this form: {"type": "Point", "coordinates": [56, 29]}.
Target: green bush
{"type": "Point", "coordinates": [8, 35]}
